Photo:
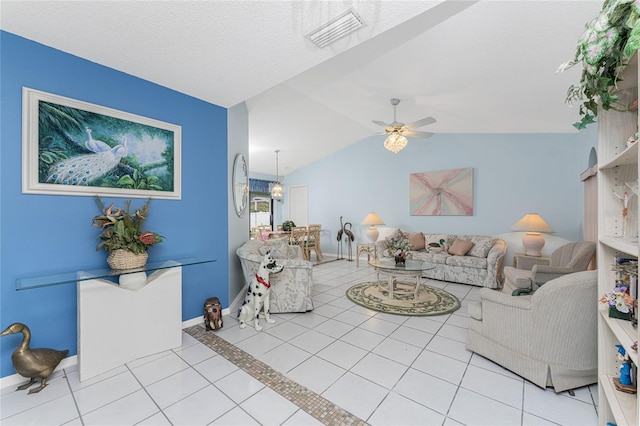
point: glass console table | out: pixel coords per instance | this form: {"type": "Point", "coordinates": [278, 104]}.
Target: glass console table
{"type": "Point", "coordinates": [58, 278]}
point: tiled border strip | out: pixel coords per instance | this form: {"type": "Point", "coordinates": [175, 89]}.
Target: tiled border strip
{"type": "Point", "coordinates": [317, 406]}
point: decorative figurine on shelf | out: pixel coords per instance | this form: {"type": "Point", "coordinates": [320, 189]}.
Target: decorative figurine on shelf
{"type": "Point", "coordinates": [33, 363]}
{"type": "Point", "coordinates": [625, 209]}
{"type": "Point", "coordinates": [212, 314]}
{"type": "Point", "coordinates": [624, 383]}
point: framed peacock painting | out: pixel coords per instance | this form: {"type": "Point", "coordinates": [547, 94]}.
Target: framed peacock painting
{"type": "Point", "coordinates": [70, 147]}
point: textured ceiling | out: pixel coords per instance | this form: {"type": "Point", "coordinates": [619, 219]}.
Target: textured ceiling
{"type": "Point", "coordinates": [476, 66]}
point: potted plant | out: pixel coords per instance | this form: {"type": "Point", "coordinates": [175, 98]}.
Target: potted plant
{"type": "Point", "coordinates": [398, 246]}
{"type": "Point", "coordinates": [620, 302]}
{"type": "Point", "coordinates": [605, 48]}
{"type": "Point", "coordinates": [122, 235]}
{"type": "Point", "coordinates": [287, 225]}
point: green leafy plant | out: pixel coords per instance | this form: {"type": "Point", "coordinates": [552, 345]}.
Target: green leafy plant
{"type": "Point", "coordinates": [604, 49]}
{"type": "Point", "coordinates": [122, 229]}
{"type": "Point", "coordinates": [287, 225]}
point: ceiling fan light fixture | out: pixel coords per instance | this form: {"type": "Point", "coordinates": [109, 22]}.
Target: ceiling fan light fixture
{"type": "Point", "coordinates": [395, 142]}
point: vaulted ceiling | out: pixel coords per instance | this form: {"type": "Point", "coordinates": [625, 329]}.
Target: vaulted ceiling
{"type": "Point", "coordinates": [483, 66]}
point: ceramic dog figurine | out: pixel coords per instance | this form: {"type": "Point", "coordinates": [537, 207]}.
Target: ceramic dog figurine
{"type": "Point", "coordinates": [257, 298]}
{"type": "Point", "coordinates": [212, 314]}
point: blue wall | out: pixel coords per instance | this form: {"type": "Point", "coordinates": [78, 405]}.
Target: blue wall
{"type": "Point", "coordinates": [514, 174]}
{"type": "Point", "coordinates": [42, 234]}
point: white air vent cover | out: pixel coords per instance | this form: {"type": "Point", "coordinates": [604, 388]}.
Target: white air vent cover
{"type": "Point", "coordinates": [336, 29]}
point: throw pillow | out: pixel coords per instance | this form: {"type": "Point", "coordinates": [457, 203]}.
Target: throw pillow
{"type": "Point", "coordinates": [481, 246]}
{"type": "Point", "coordinates": [436, 238]}
{"type": "Point", "coordinates": [416, 240]}
{"type": "Point", "coordinates": [460, 247]}
{"type": "Point", "coordinates": [385, 232]}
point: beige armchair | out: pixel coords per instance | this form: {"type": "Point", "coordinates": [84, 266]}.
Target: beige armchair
{"type": "Point", "coordinates": [290, 289]}
{"type": "Point", "coordinates": [566, 259]}
{"type": "Point", "coordinates": [549, 338]}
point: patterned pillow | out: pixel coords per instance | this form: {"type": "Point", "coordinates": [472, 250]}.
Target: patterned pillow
{"type": "Point", "coordinates": [481, 246]}
{"type": "Point", "coordinates": [438, 238]}
{"type": "Point", "coordinates": [416, 240]}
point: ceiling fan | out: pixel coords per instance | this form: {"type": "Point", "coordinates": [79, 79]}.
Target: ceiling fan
{"type": "Point", "coordinates": [398, 132]}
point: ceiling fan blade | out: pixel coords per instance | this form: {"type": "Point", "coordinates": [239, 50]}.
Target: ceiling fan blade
{"type": "Point", "coordinates": [420, 123]}
{"type": "Point", "coordinates": [380, 123]}
{"type": "Point", "coordinates": [414, 134]}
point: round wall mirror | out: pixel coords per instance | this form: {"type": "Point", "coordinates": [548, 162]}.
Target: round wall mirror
{"type": "Point", "coordinates": [240, 185]}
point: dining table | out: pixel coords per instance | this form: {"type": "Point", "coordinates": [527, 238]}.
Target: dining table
{"type": "Point", "coordinates": [272, 235]}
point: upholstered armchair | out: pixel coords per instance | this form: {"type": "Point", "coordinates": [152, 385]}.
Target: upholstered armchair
{"type": "Point", "coordinates": [291, 288]}
{"type": "Point", "coordinates": [549, 338]}
{"type": "Point", "coordinates": [566, 259]}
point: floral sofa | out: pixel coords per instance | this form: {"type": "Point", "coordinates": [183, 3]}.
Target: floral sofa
{"type": "Point", "coordinates": [466, 259]}
{"type": "Point", "coordinates": [291, 288]}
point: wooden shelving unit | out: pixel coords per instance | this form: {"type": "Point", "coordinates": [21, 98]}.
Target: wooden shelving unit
{"type": "Point", "coordinates": [617, 165]}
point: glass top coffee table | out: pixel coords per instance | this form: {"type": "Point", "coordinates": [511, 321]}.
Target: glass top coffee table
{"type": "Point", "coordinates": [411, 268]}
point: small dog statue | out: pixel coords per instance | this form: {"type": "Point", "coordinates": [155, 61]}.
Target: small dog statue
{"type": "Point", "coordinates": [258, 292]}
{"type": "Point", "coordinates": [212, 314]}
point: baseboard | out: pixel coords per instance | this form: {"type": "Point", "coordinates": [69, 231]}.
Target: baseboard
{"type": "Point", "coordinates": [16, 379]}
{"type": "Point", "coordinates": [72, 361]}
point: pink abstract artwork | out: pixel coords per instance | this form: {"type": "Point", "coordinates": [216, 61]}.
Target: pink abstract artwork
{"type": "Point", "coordinates": [442, 193]}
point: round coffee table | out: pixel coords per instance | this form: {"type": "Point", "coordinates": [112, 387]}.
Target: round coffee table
{"type": "Point", "coordinates": [411, 268]}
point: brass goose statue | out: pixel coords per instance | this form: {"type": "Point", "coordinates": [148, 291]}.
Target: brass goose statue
{"type": "Point", "coordinates": [33, 363]}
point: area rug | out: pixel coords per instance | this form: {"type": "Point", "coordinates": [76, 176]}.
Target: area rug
{"type": "Point", "coordinates": [430, 301]}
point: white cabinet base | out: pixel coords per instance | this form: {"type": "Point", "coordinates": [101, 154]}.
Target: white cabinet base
{"type": "Point", "coordinates": [117, 325]}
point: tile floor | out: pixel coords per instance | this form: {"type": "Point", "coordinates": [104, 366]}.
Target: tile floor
{"type": "Point", "coordinates": [382, 369]}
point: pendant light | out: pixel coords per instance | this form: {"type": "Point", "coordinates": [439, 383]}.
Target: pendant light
{"type": "Point", "coordinates": [275, 188]}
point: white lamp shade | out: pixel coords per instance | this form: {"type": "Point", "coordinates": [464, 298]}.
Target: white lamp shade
{"type": "Point", "coordinates": [372, 219]}
{"type": "Point", "coordinates": [533, 241]}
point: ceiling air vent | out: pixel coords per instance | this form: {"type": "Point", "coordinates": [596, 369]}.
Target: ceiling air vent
{"type": "Point", "coordinates": [336, 29]}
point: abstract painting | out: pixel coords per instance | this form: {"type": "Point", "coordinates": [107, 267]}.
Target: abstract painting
{"type": "Point", "coordinates": [441, 193]}
{"type": "Point", "coordinates": [71, 147]}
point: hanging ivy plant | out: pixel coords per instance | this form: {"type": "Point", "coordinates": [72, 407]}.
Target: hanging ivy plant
{"type": "Point", "coordinates": [604, 49]}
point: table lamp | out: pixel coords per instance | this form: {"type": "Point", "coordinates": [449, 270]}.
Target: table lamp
{"type": "Point", "coordinates": [533, 241]}
{"type": "Point", "coordinates": [373, 220]}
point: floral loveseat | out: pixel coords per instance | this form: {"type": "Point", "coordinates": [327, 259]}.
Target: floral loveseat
{"type": "Point", "coordinates": [291, 288]}
{"type": "Point", "coordinates": [466, 259]}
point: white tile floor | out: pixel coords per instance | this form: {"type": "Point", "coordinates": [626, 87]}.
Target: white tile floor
{"type": "Point", "coordinates": [385, 369]}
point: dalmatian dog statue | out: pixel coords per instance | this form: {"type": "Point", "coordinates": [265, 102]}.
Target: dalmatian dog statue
{"type": "Point", "coordinates": [212, 314]}
{"type": "Point", "coordinates": [258, 292]}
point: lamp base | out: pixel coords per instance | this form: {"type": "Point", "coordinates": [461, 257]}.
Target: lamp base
{"type": "Point", "coordinates": [533, 243]}
{"type": "Point", "coordinates": [373, 234]}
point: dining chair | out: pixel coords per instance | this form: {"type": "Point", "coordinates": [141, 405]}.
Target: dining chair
{"type": "Point", "coordinates": [298, 237]}
{"type": "Point", "coordinates": [313, 242]}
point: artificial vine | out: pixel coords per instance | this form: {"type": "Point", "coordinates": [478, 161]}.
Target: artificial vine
{"type": "Point", "coordinates": [605, 48]}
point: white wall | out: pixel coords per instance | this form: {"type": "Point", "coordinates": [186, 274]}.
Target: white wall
{"type": "Point", "coordinates": [238, 227]}
{"type": "Point", "coordinates": [514, 174]}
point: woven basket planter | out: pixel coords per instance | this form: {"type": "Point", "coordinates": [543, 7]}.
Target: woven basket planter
{"type": "Point", "coordinates": [122, 259]}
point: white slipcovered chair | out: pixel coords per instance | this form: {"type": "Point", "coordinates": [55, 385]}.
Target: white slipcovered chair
{"type": "Point", "coordinates": [566, 259]}
{"type": "Point", "coordinates": [549, 338]}
{"type": "Point", "coordinates": [291, 288]}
